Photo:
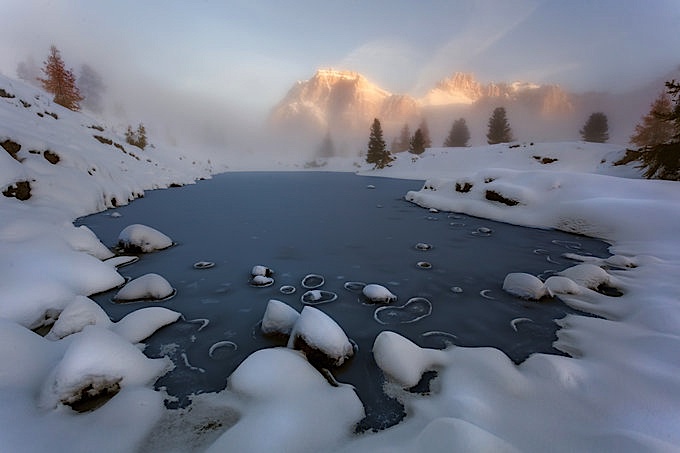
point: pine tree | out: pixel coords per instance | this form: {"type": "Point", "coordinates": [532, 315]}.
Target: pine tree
{"type": "Point", "coordinates": [499, 128]}
{"type": "Point", "coordinates": [60, 81]}
{"type": "Point", "coordinates": [662, 160]}
{"type": "Point", "coordinates": [655, 129]}
{"type": "Point", "coordinates": [326, 148]}
{"type": "Point", "coordinates": [403, 142]}
{"type": "Point", "coordinates": [378, 155]}
{"type": "Point", "coordinates": [596, 129]}
{"type": "Point", "coordinates": [425, 131]}
{"type": "Point", "coordinates": [417, 143]}
{"type": "Point", "coordinates": [91, 88]}
{"type": "Point", "coordinates": [459, 135]}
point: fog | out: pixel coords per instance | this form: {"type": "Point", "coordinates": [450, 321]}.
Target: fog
{"type": "Point", "coordinates": [207, 75]}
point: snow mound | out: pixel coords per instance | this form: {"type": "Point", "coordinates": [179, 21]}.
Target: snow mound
{"type": "Point", "coordinates": [320, 337]}
{"type": "Point", "coordinates": [97, 362]}
{"type": "Point", "coordinates": [378, 293]}
{"type": "Point", "coordinates": [525, 286]}
{"type": "Point", "coordinates": [404, 361]}
{"type": "Point", "coordinates": [142, 238]}
{"type": "Point", "coordinates": [78, 314]}
{"type": "Point", "coordinates": [562, 285]}
{"type": "Point", "coordinates": [140, 324]}
{"type": "Point", "coordinates": [146, 287]}
{"type": "Point", "coordinates": [281, 415]}
{"type": "Point", "coordinates": [589, 275]}
{"type": "Point", "coordinates": [279, 318]}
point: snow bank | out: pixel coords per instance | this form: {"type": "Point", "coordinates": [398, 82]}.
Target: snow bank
{"type": "Point", "coordinates": [287, 405]}
{"type": "Point", "coordinates": [402, 360]}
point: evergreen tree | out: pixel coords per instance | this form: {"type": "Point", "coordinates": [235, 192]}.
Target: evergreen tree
{"type": "Point", "coordinates": [655, 129]}
{"type": "Point", "coordinates": [499, 128]}
{"type": "Point", "coordinates": [60, 81]}
{"type": "Point", "coordinates": [378, 155]}
{"type": "Point", "coordinates": [403, 142]}
{"type": "Point", "coordinates": [425, 131]}
{"type": "Point", "coordinates": [91, 87]}
{"type": "Point", "coordinates": [596, 129]}
{"type": "Point", "coordinates": [326, 148]}
{"type": "Point", "coordinates": [662, 160]}
{"type": "Point", "coordinates": [459, 135]}
{"type": "Point", "coordinates": [417, 146]}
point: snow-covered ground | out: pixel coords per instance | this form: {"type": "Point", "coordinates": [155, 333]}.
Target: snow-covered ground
{"type": "Point", "coordinates": [619, 390]}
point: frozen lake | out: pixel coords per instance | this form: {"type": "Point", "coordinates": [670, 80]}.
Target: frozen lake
{"type": "Point", "coordinates": [346, 228]}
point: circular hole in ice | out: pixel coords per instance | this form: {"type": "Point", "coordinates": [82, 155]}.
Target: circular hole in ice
{"type": "Point", "coordinates": [424, 265]}
{"type": "Point", "coordinates": [355, 287]}
{"type": "Point", "coordinates": [203, 265]}
{"type": "Point", "coordinates": [456, 289]}
{"type": "Point", "coordinates": [414, 310]}
{"type": "Point", "coordinates": [456, 224]}
{"type": "Point", "coordinates": [222, 350]}
{"type": "Point", "coordinates": [423, 246]}
{"type": "Point", "coordinates": [317, 297]}
{"type": "Point", "coordinates": [370, 186]}
{"type": "Point", "coordinates": [260, 281]}
{"type": "Point", "coordinates": [570, 245]}
{"type": "Point", "coordinates": [432, 218]}
{"type": "Point", "coordinates": [312, 281]}
{"type": "Point", "coordinates": [287, 289]}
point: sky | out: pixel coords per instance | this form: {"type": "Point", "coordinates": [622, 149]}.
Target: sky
{"type": "Point", "coordinates": [239, 57]}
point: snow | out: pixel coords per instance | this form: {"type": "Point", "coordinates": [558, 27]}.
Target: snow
{"type": "Point", "coordinates": [147, 287]}
{"type": "Point", "coordinates": [279, 317]}
{"type": "Point", "coordinates": [378, 293]}
{"type": "Point", "coordinates": [526, 286]}
{"type": "Point", "coordinates": [320, 332]}
{"type": "Point", "coordinates": [144, 238]}
{"type": "Point", "coordinates": [618, 390]}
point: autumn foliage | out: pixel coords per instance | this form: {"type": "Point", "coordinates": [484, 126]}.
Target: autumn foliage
{"type": "Point", "coordinates": [60, 81]}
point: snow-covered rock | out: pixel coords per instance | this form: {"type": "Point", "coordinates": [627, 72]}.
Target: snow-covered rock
{"type": "Point", "coordinates": [589, 275]}
{"type": "Point", "coordinates": [142, 238]}
{"type": "Point", "coordinates": [562, 285]}
{"type": "Point", "coordinates": [525, 286]}
{"type": "Point", "coordinates": [78, 314]}
{"type": "Point", "coordinates": [147, 287]}
{"type": "Point", "coordinates": [98, 362]}
{"type": "Point", "coordinates": [142, 323]}
{"type": "Point", "coordinates": [378, 293]}
{"type": "Point", "coordinates": [402, 360]}
{"type": "Point", "coordinates": [259, 270]}
{"type": "Point", "coordinates": [281, 415]}
{"type": "Point", "coordinates": [320, 337]}
{"type": "Point", "coordinates": [279, 318]}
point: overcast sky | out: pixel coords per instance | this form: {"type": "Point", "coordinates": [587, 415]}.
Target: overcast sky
{"type": "Point", "coordinates": [249, 52]}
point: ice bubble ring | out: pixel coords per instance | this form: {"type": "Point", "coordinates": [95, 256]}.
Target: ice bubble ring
{"type": "Point", "coordinates": [312, 281]}
{"type": "Point", "coordinates": [287, 289]}
{"type": "Point", "coordinates": [203, 265]}
{"type": "Point", "coordinates": [318, 297]}
{"type": "Point", "coordinates": [414, 310]}
{"type": "Point", "coordinates": [222, 349]}
{"type": "Point", "coordinates": [355, 287]}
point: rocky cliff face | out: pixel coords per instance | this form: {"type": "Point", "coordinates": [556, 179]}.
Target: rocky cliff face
{"type": "Point", "coordinates": [344, 103]}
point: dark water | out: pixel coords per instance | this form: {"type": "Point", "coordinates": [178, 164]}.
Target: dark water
{"type": "Point", "coordinates": [335, 225]}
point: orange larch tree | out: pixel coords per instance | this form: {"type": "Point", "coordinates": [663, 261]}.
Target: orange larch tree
{"type": "Point", "coordinates": [60, 81]}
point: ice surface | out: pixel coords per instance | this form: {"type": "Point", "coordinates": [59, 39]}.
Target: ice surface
{"type": "Point", "coordinates": [143, 238]}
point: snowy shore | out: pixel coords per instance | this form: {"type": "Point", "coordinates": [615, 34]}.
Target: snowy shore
{"type": "Point", "coordinates": [619, 390]}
